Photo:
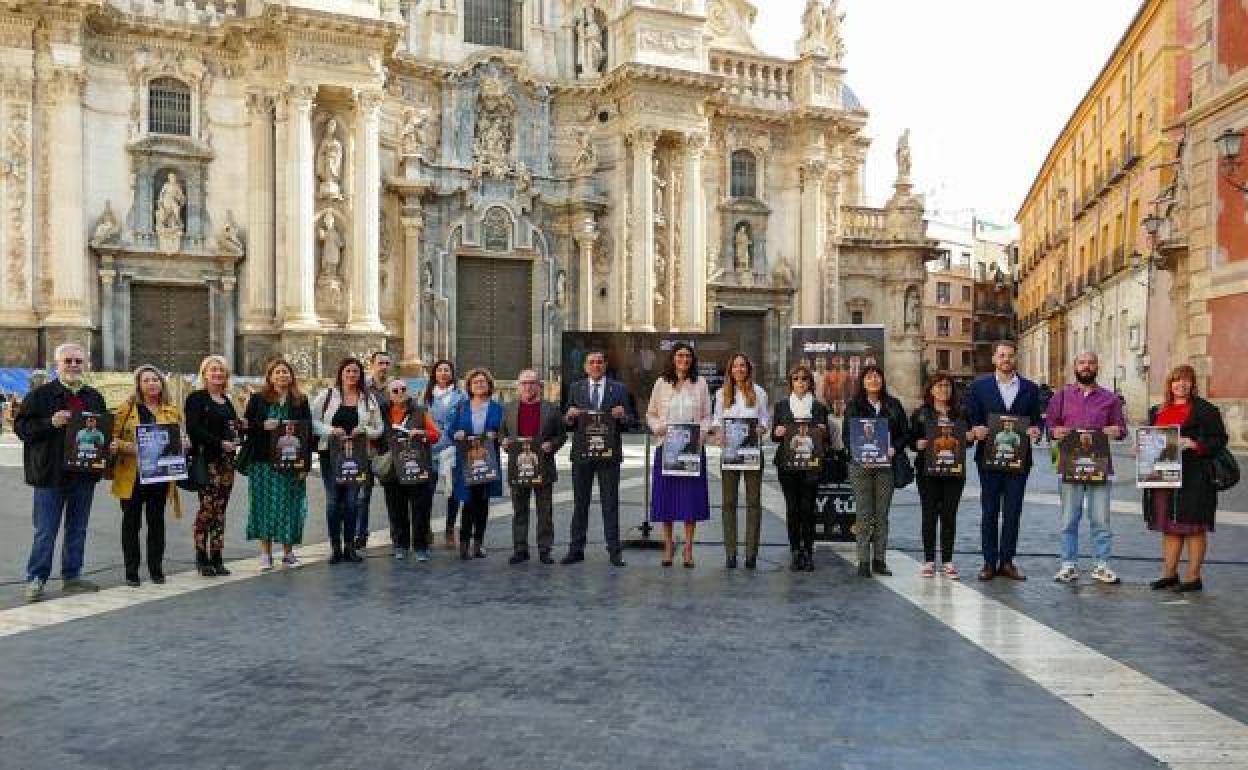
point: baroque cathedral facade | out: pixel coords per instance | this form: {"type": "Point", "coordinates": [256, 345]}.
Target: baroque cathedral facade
{"type": "Point", "coordinates": [439, 178]}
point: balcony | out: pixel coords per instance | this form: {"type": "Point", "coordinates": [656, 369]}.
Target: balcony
{"type": "Point", "coordinates": [1120, 258]}
{"type": "Point", "coordinates": [1131, 158]}
{"type": "Point", "coordinates": [865, 224]}
{"type": "Point", "coordinates": [193, 12]}
{"type": "Point", "coordinates": [755, 80]}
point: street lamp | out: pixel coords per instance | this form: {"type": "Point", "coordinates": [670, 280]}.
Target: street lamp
{"type": "Point", "coordinates": [1230, 144]}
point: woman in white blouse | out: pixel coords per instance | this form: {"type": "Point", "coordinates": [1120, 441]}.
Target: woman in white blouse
{"type": "Point", "coordinates": [680, 396]}
{"type": "Point", "coordinates": [745, 399]}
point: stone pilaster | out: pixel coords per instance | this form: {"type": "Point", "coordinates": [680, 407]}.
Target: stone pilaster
{"type": "Point", "coordinates": [65, 224]}
{"type": "Point", "coordinates": [641, 282]}
{"type": "Point", "coordinates": [300, 257]}
{"type": "Point", "coordinates": [585, 233]}
{"type": "Point", "coordinates": [413, 221]}
{"type": "Point", "coordinates": [694, 235]}
{"type": "Point", "coordinates": [260, 267]}
{"type": "Point", "coordinates": [108, 331]}
{"type": "Point", "coordinates": [365, 267]}
{"type": "Point", "coordinates": [810, 276]}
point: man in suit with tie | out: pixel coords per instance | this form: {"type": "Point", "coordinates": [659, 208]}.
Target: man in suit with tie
{"type": "Point", "coordinates": [599, 393]}
{"type": "Point", "coordinates": [533, 418]}
{"type": "Point", "coordinates": [1001, 501]}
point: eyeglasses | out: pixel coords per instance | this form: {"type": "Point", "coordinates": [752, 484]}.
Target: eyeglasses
{"type": "Point", "coordinates": [530, 382]}
{"type": "Point", "coordinates": [73, 360]}
{"type": "Point", "coordinates": [398, 390]}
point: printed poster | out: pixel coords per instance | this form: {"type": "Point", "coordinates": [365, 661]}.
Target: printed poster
{"type": "Point", "coordinates": [682, 450]}
{"type": "Point", "coordinates": [1159, 460]}
{"type": "Point", "coordinates": [161, 455]}
{"type": "Point", "coordinates": [742, 446]}
{"type": "Point", "coordinates": [87, 439]}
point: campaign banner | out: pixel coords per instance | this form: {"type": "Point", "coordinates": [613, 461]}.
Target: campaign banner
{"type": "Point", "coordinates": [480, 460]}
{"type": "Point", "coordinates": [1159, 460]}
{"type": "Point", "coordinates": [836, 512]}
{"type": "Point", "coordinates": [869, 441]}
{"type": "Point", "coordinates": [682, 450]}
{"type": "Point", "coordinates": [945, 455]}
{"type": "Point", "coordinates": [161, 456]}
{"type": "Point", "coordinates": [289, 448]}
{"type": "Point", "coordinates": [87, 439]}
{"type": "Point", "coordinates": [594, 439]}
{"type": "Point", "coordinates": [836, 355]}
{"type": "Point", "coordinates": [348, 458]}
{"type": "Point", "coordinates": [1085, 457]}
{"type": "Point", "coordinates": [1008, 443]}
{"type": "Point", "coordinates": [742, 450]}
{"type": "Point", "coordinates": [524, 463]}
{"type": "Point", "coordinates": [412, 459]}
{"type": "Point", "coordinates": [803, 446]}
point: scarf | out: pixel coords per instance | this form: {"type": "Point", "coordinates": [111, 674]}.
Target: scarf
{"type": "Point", "coordinates": [802, 407]}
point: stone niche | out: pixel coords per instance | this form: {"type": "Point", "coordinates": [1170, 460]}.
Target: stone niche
{"type": "Point", "coordinates": [746, 217]}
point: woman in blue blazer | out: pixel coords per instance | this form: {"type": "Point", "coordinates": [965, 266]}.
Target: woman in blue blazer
{"type": "Point", "coordinates": [480, 415]}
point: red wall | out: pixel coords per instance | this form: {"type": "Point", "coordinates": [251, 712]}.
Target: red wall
{"type": "Point", "coordinates": [1232, 226]}
{"type": "Point", "coordinates": [1232, 35]}
{"type": "Point", "coordinates": [1229, 378]}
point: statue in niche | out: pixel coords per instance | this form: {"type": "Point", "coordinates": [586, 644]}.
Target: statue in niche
{"type": "Point", "coordinates": [903, 156]}
{"type": "Point", "coordinates": [416, 135]}
{"type": "Point", "coordinates": [586, 161]}
{"type": "Point", "coordinates": [331, 246]}
{"type": "Point", "coordinates": [561, 289]}
{"type": "Point", "coordinates": [329, 162]}
{"type": "Point", "coordinates": [106, 227]}
{"type": "Point", "coordinates": [744, 245]}
{"type": "Point", "coordinates": [590, 51]}
{"type": "Point", "coordinates": [169, 226]}
{"type": "Point", "coordinates": [659, 186]}
{"type": "Point", "coordinates": [913, 309]}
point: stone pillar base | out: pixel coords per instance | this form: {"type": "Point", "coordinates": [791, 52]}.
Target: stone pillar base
{"type": "Point", "coordinates": [19, 347]}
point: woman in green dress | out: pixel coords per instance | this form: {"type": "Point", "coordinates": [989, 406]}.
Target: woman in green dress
{"type": "Point", "coordinates": [277, 498]}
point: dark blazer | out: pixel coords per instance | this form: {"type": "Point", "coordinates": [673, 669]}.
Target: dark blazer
{"type": "Point", "coordinates": [204, 425]}
{"type": "Point", "coordinates": [1197, 500]}
{"type": "Point", "coordinates": [783, 415]}
{"type": "Point", "coordinates": [43, 445]}
{"type": "Point", "coordinates": [258, 441]}
{"type": "Point", "coordinates": [551, 428]}
{"type": "Point", "coordinates": [891, 410]}
{"type": "Point", "coordinates": [614, 394]}
{"type": "Point", "coordinates": [983, 398]}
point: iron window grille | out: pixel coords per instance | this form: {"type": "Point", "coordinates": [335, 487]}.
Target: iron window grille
{"type": "Point", "coordinates": [169, 107]}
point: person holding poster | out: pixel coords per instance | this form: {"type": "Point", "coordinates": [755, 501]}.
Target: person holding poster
{"type": "Point", "coordinates": [538, 421]}
{"type": "Point", "coordinates": [277, 501]}
{"type": "Point", "coordinates": [1185, 516]}
{"type": "Point", "coordinates": [148, 405]}
{"type": "Point", "coordinates": [1085, 406]}
{"type": "Point", "coordinates": [680, 396]}
{"type": "Point", "coordinates": [481, 417]}
{"type": "Point", "coordinates": [799, 411]}
{"type": "Point", "coordinates": [1003, 392]}
{"type": "Point", "coordinates": [409, 505]}
{"type": "Point", "coordinates": [744, 400]}
{"type": "Point", "coordinates": [873, 486]}
{"type": "Point", "coordinates": [214, 428]}
{"type": "Point", "coordinates": [597, 394]}
{"type": "Point", "coordinates": [59, 493]}
{"type": "Point", "coordinates": [940, 469]}
{"type": "Point", "coordinates": [442, 398]}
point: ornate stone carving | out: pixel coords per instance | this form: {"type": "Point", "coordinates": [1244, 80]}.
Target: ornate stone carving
{"type": "Point", "coordinates": [743, 256]}
{"type": "Point", "coordinates": [329, 156]}
{"type": "Point", "coordinates": [586, 162]}
{"type": "Point", "coordinates": [903, 157]}
{"type": "Point", "coordinates": [591, 50]}
{"type": "Point", "coordinates": [168, 215]}
{"type": "Point", "coordinates": [783, 274]}
{"type": "Point", "coordinates": [417, 135]}
{"type": "Point", "coordinates": [667, 41]}
{"type": "Point", "coordinates": [106, 227]}
{"type": "Point", "coordinates": [660, 184]}
{"type": "Point", "coordinates": [493, 147]}
{"type": "Point", "coordinates": [821, 30]}
{"type": "Point", "coordinates": [913, 309]}
{"type": "Point", "coordinates": [229, 240]}
{"type": "Point", "coordinates": [332, 241]}
{"type": "Point", "coordinates": [16, 148]}
{"type": "Point", "coordinates": [561, 289]}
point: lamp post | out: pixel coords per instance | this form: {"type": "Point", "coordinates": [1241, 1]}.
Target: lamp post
{"type": "Point", "coordinates": [1230, 144]}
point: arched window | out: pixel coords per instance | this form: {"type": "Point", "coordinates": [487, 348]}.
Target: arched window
{"type": "Point", "coordinates": [744, 174]}
{"type": "Point", "coordinates": [169, 107]}
{"type": "Point", "coordinates": [494, 22]}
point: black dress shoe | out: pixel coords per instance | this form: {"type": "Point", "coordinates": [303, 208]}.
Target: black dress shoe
{"type": "Point", "coordinates": [158, 578]}
{"type": "Point", "coordinates": [730, 562]}
{"type": "Point", "coordinates": [864, 569]}
{"type": "Point", "coordinates": [1165, 582]}
{"type": "Point", "coordinates": [617, 560]}
{"type": "Point", "coordinates": [809, 566]}
{"type": "Point", "coordinates": [798, 563]}
{"type": "Point", "coordinates": [572, 557]}
{"type": "Point", "coordinates": [880, 568]}
{"type": "Point", "coordinates": [1186, 586]}
{"type": "Point", "coordinates": [361, 542]}
{"type": "Point", "coordinates": [751, 562]}
{"type": "Point", "coordinates": [545, 558]}
{"type": "Point", "coordinates": [519, 557]}
{"type": "Point", "coordinates": [133, 581]}
{"type": "Point", "coordinates": [464, 553]}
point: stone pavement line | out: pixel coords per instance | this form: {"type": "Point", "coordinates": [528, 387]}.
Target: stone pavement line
{"type": "Point", "coordinates": [1236, 518]}
{"type": "Point", "coordinates": [53, 612]}
{"type": "Point", "coordinates": [1190, 735]}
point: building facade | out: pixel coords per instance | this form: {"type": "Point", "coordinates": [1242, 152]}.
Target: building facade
{"type": "Point", "coordinates": [465, 178]}
{"type": "Point", "coordinates": [1086, 280]}
{"type": "Point", "coordinates": [995, 293]}
{"type": "Point", "coordinates": [949, 319]}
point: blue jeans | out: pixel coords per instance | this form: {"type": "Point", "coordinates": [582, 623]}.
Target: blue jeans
{"type": "Point", "coordinates": [363, 498]}
{"type": "Point", "coordinates": [340, 508]}
{"type": "Point", "coordinates": [1094, 499]}
{"type": "Point", "coordinates": [1001, 501]}
{"type": "Point", "coordinates": [74, 501]}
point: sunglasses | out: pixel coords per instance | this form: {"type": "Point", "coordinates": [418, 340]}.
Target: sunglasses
{"type": "Point", "coordinates": [73, 360]}
{"type": "Point", "coordinates": [398, 390]}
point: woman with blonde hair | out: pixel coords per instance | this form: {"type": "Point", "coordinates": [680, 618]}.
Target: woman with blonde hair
{"type": "Point", "coordinates": [148, 405]}
{"type": "Point", "coordinates": [215, 431]}
{"type": "Point", "coordinates": [277, 500]}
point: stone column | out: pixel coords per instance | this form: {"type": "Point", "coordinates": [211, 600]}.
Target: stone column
{"type": "Point", "coordinates": [810, 278]}
{"type": "Point", "coordinates": [260, 268]}
{"type": "Point", "coordinates": [229, 318]}
{"type": "Point", "coordinates": [586, 235]}
{"type": "Point", "coordinates": [66, 260]}
{"type": "Point", "coordinates": [694, 245]}
{"type": "Point", "coordinates": [108, 331]}
{"type": "Point", "coordinates": [413, 220]}
{"type": "Point", "coordinates": [365, 267]}
{"type": "Point", "coordinates": [300, 302]}
{"type": "Point", "coordinates": [641, 282]}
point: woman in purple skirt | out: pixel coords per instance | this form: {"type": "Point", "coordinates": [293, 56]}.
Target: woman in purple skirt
{"type": "Point", "coordinates": [680, 410]}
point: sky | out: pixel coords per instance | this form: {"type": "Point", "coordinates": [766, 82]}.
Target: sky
{"type": "Point", "coordinates": [985, 86]}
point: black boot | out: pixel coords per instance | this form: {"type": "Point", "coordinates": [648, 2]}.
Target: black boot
{"type": "Point", "coordinates": [799, 559]}
{"type": "Point", "coordinates": [464, 545]}
{"type": "Point", "coordinates": [864, 569]}
{"type": "Point", "coordinates": [478, 550]}
{"type": "Point", "coordinates": [349, 554]}
{"type": "Point", "coordinates": [218, 564]}
{"type": "Point", "coordinates": [336, 555]}
{"type": "Point", "coordinates": [201, 561]}
{"type": "Point", "coordinates": [810, 560]}
{"type": "Point", "coordinates": [880, 568]}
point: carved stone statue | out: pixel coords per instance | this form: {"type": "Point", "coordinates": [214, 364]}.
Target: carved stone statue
{"type": "Point", "coordinates": [813, 29]}
{"type": "Point", "coordinates": [169, 226]}
{"type": "Point", "coordinates": [590, 50]}
{"type": "Point", "coordinates": [331, 246]}
{"type": "Point", "coordinates": [903, 155]}
{"type": "Point", "coordinates": [783, 274]}
{"type": "Point", "coordinates": [744, 246]}
{"type": "Point", "coordinates": [832, 39]}
{"type": "Point", "coordinates": [913, 310]}
{"type": "Point", "coordinates": [416, 136]}
{"type": "Point", "coordinates": [329, 163]}
{"type": "Point", "coordinates": [229, 237]}
{"type": "Point", "coordinates": [659, 186]}
{"type": "Point", "coordinates": [586, 161]}
{"type": "Point", "coordinates": [561, 289]}
{"type": "Point", "coordinates": [106, 227]}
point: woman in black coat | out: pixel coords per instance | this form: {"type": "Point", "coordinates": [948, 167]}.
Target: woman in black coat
{"type": "Point", "coordinates": [939, 495]}
{"type": "Point", "coordinates": [215, 432]}
{"type": "Point", "coordinates": [800, 411]}
{"type": "Point", "coordinates": [1186, 515]}
{"type": "Point", "coordinates": [873, 487]}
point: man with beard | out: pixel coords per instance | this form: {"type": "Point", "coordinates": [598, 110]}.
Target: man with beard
{"type": "Point", "coordinates": [1084, 405]}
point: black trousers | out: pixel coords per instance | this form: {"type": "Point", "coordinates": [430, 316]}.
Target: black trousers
{"type": "Point", "coordinates": [608, 476]}
{"type": "Point", "coordinates": [475, 513]}
{"type": "Point", "coordinates": [409, 508]}
{"type": "Point", "coordinates": [939, 498]}
{"type": "Point", "coordinates": [799, 508]}
{"type": "Point", "coordinates": [147, 501]}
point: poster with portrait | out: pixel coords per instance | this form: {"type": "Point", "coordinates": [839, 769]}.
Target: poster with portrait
{"type": "Point", "coordinates": [742, 446]}
{"type": "Point", "coordinates": [524, 463]}
{"type": "Point", "coordinates": [836, 355]}
{"type": "Point", "coordinates": [1007, 445]}
{"type": "Point", "coordinates": [160, 453]}
{"type": "Point", "coordinates": [869, 441]}
{"type": "Point", "coordinates": [682, 450]}
{"type": "Point", "coordinates": [945, 456]}
{"type": "Point", "coordinates": [480, 460]}
{"type": "Point", "coordinates": [594, 439]}
{"type": "Point", "coordinates": [803, 445]}
{"type": "Point", "coordinates": [87, 439]}
{"type": "Point", "coordinates": [1084, 457]}
{"type": "Point", "coordinates": [411, 458]}
{"type": "Point", "coordinates": [1159, 460]}
{"type": "Point", "coordinates": [348, 459]}
{"type": "Point", "coordinates": [290, 446]}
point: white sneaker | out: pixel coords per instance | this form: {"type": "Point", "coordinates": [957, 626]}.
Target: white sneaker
{"type": "Point", "coordinates": [1069, 573]}
{"type": "Point", "coordinates": [1104, 574]}
{"type": "Point", "coordinates": [34, 590]}
{"type": "Point", "coordinates": [266, 561]}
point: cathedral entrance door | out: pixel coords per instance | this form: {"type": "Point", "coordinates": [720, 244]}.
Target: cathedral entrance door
{"type": "Point", "coordinates": [169, 326]}
{"type": "Point", "coordinates": [494, 315]}
{"type": "Point", "coordinates": [746, 331]}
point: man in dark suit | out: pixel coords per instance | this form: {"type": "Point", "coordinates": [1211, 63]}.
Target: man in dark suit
{"type": "Point", "coordinates": [597, 392]}
{"type": "Point", "coordinates": [541, 421]}
{"type": "Point", "coordinates": [1001, 501]}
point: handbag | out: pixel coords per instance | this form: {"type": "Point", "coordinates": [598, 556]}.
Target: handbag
{"type": "Point", "coordinates": [383, 466]}
{"type": "Point", "coordinates": [903, 470]}
{"type": "Point", "coordinates": [1224, 470]}
{"type": "Point", "coordinates": [196, 473]}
